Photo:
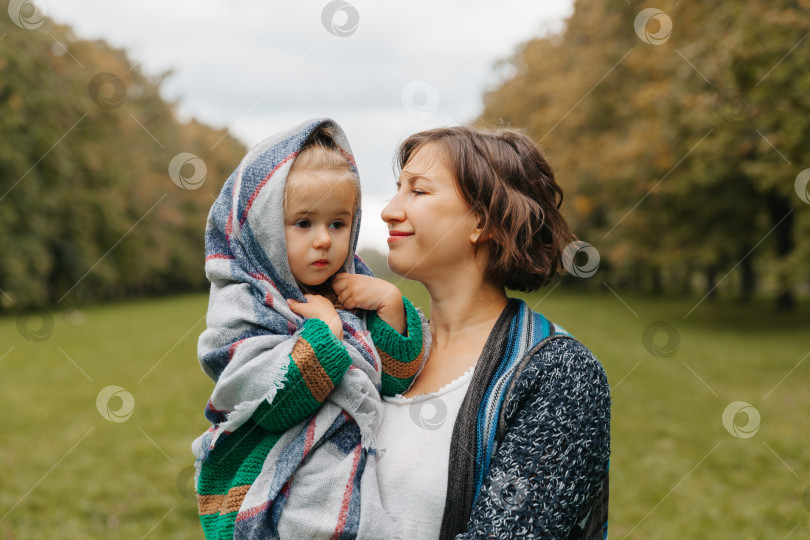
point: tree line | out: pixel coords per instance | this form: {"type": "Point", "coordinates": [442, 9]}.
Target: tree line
{"type": "Point", "coordinates": [680, 135]}
{"type": "Point", "coordinates": [104, 191]}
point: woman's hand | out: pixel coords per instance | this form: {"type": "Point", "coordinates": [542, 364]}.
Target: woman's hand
{"type": "Point", "coordinates": [365, 292]}
{"type": "Point", "coordinates": [318, 307]}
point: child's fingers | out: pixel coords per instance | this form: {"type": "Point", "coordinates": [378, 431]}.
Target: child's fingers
{"type": "Point", "coordinates": [299, 308]}
{"type": "Point", "coordinates": [346, 300]}
{"type": "Point", "coordinates": [340, 283]}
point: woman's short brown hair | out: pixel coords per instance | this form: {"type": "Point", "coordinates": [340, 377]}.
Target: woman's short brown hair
{"type": "Point", "coordinates": [510, 186]}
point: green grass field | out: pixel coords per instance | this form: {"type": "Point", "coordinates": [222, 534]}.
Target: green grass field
{"type": "Point", "coordinates": [676, 471]}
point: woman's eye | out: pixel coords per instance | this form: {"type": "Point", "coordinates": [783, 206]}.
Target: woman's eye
{"type": "Point", "coordinates": [418, 192]}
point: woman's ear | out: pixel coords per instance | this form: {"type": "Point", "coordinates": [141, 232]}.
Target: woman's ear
{"type": "Point", "coordinates": [477, 233]}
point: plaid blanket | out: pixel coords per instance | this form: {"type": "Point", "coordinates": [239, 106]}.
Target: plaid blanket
{"type": "Point", "coordinates": [268, 467]}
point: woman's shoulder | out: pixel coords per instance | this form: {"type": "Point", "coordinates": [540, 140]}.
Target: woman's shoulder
{"type": "Point", "coordinates": [558, 370]}
{"type": "Point", "coordinates": [563, 359]}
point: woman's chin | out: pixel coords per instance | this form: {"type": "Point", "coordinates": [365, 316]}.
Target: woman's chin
{"type": "Point", "coordinates": [398, 267]}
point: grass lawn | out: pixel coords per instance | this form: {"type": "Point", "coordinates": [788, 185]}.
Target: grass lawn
{"type": "Point", "coordinates": [676, 471]}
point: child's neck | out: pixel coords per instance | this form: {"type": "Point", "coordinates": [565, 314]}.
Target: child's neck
{"type": "Point", "coordinates": [325, 287]}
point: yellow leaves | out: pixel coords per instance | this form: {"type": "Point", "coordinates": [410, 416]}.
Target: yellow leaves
{"type": "Point", "coordinates": [16, 102]}
{"type": "Point", "coordinates": [583, 206]}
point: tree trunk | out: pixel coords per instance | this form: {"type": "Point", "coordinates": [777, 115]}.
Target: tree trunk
{"type": "Point", "coordinates": [748, 281]}
{"type": "Point", "coordinates": [781, 213]}
{"type": "Point", "coordinates": [686, 283]}
{"type": "Point", "coordinates": [711, 274]}
{"type": "Point", "coordinates": [656, 282]}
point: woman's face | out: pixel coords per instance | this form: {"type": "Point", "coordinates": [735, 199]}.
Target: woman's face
{"type": "Point", "coordinates": [437, 225]}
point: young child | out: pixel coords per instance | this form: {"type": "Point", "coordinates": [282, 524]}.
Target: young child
{"type": "Point", "coordinates": [298, 370]}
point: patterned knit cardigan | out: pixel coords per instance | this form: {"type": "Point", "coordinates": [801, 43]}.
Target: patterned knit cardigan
{"type": "Point", "coordinates": [531, 443]}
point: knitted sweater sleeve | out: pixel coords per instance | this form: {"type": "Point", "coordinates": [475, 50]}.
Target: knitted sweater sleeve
{"type": "Point", "coordinates": [316, 365]}
{"type": "Point", "coordinates": [401, 356]}
{"type": "Point", "coordinates": [553, 458]}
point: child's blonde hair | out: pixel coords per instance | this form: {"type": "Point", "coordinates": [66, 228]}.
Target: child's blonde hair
{"type": "Point", "coordinates": [320, 151]}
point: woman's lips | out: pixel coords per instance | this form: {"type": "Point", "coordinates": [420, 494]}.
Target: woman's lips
{"type": "Point", "coordinates": [397, 235]}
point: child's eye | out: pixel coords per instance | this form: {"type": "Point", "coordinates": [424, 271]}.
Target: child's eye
{"type": "Point", "coordinates": [302, 223]}
{"type": "Point", "coordinates": [338, 224]}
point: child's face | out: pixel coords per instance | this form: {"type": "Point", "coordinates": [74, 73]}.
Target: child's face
{"type": "Point", "coordinates": [317, 223]}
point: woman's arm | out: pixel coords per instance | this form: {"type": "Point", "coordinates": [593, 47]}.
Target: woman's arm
{"type": "Point", "coordinates": [554, 455]}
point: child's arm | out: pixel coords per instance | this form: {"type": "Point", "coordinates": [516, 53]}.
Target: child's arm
{"type": "Point", "coordinates": [317, 364]}
{"type": "Point", "coordinates": [394, 323]}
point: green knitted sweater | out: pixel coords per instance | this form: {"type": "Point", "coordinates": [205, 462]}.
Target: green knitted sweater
{"type": "Point", "coordinates": [317, 364]}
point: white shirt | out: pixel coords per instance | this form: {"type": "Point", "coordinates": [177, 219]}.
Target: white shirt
{"type": "Point", "coordinates": [414, 441]}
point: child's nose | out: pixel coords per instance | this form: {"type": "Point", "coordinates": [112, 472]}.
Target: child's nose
{"type": "Point", "coordinates": [323, 239]}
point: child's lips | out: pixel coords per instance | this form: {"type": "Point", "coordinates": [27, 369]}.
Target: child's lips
{"type": "Point", "coordinates": [321, 263]}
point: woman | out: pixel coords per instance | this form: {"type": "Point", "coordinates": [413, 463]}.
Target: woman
{"type": "Point", "coordinates": [506, 430]}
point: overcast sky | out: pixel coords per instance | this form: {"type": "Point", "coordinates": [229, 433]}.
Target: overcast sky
{"type": "Point", "coordinates": [382, 70]}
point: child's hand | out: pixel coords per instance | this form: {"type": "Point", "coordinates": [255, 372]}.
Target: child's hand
{"type": "Point", "coordinates": [318, 307]}
{"type": "Point", "coordinates": [365, 292]}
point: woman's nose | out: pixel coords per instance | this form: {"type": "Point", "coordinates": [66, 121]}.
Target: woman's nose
{"type": "Point", "coordinates": [393, 211]}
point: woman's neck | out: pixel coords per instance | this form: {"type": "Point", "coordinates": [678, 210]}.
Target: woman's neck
{"type": "Point", "coordinates": [463, 311]}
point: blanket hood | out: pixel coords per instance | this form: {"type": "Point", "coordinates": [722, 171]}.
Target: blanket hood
{"type": "Point", "coordinates": [246, 222]}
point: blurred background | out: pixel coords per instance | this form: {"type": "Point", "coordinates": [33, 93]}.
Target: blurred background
{"type": "Point", "coordinates": [679, 131]}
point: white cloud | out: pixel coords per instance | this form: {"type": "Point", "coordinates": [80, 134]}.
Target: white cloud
{"type": "Point", "coordinates": [261, 67]}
